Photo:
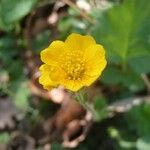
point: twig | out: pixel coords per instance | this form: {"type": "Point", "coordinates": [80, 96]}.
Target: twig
{"type": "Point", "coordinates": [126, 104]}
{"type": "Point", "coordinates": [82, 13]}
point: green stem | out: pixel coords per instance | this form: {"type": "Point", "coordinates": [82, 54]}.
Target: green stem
{"type": "Point", "coordinates": [81, 97]}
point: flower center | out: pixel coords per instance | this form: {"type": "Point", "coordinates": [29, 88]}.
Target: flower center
{"type": "Point", "coordinates": [74, 66]}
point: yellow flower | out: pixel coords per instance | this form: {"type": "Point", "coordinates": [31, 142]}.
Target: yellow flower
{"type": "Point", "coordinates": [74, 64]}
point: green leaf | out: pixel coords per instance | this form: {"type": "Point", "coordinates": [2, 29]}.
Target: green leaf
{"type": "Point", "coordinates": [129, 79]}
{"type": "Point", "coordinates": [140, 64]}
{"type": "Point", "coordinates": [132, 81]}
{"type": "Point", "coordinates": [124, 31]}
{"type": "Point", "coordinates": [13, 11]}
{"type": "Point", "coordinates": [109, 73]}
{"type": "Point", "coordinates": [4, 26]}
{"type": "Point", "coordinates": [140, 115]}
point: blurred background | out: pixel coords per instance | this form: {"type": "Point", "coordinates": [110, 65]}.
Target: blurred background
{"type": "Point", "coordinates": [32, 118]}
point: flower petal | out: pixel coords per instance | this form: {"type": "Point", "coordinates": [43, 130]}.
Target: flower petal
{"type": "Point", "coordinates": [73, 85]}
{"type": "Point", "coordinates": [57, 75]}
{"type": "Point", "coordinates": [88, 79]}
{"type": "Point", "coordinates": [93, 51]}
{"type": "Point", "coordinates": [53, 54]}
{"type": "Point", "coordinates": [45, 78]}
{"type": "Point", "coordinates": [79, 42]}
{"type": "Point", "coordinates": [95, 63]}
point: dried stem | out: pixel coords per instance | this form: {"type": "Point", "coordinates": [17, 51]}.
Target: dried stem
{"type": "Point", "coordinates": [82, 13]}
{"type": "Point", "coordinates": [125, 105]}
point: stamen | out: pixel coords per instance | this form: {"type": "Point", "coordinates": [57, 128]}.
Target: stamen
{"type": "Point", "coordinates": [74, 67]}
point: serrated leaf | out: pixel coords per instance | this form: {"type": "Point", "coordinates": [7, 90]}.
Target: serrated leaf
{"type": "Point", "coordinates": [124, 30]}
